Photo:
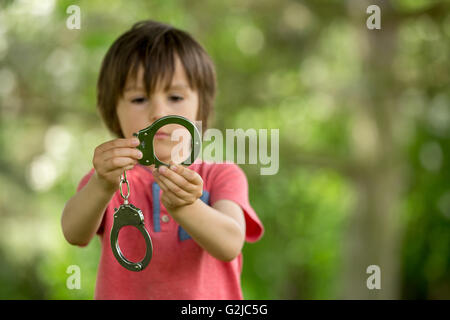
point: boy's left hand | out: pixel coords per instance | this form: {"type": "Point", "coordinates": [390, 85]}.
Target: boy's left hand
{"type": "Point", "coordinates": [181, 186]}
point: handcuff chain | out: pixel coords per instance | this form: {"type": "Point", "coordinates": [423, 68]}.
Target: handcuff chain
{"type": "Point", "coordinates": [124, 180]}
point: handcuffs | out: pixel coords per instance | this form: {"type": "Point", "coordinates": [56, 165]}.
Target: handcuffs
{"type": "Point", "coordinates": [128, 214]}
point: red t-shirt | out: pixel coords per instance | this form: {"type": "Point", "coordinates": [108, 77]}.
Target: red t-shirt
{"type": "Point", "coordinates": [180, 268]}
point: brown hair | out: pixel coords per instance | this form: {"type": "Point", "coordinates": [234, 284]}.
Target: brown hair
{"type": "Point", "coordinates": [154, 45]}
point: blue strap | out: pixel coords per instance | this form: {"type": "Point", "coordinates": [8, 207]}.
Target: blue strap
{"type": "Point", "coordinates": [205, 197]}
{"type": "Point", "coordinates": [156, 209]}
{"type": "Point", "coordinates": [182, 234]}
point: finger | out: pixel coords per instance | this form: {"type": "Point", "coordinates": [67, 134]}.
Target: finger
{"type": "Point", "coordinates": [118, 143]}
{"type": "Point", "coordinates": [115, 163]}
{"type": "Point", "coordinates": [173, 187]}
{"type": "Point", "coordinates": [189, 175]}
{"type": "Point", "coordinates": [172, 199]}
{"type": "Point", "coordinates": [177, 179]}
{"type": "Point", "coordinates": [122, 152]}
{"type": "Point", "coordinates": [161, 184]}
{"type": "Point", "coordinates": [118, 172]}
{"type": "Point", "coordinates": [115, 175]}
{"type": "Point", "coordinates": [179, 192]}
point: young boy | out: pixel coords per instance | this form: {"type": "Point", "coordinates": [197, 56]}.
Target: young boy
{"type": "Point", "coordinates": [197, 216]}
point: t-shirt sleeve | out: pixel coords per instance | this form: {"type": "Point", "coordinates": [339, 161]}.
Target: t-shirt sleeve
{"type": "Point", "coordinates": [82, 183]}
{"type": "Point", "coordinates": [85, 179]}
{"type": "Point", "coordinates": [229, 182]}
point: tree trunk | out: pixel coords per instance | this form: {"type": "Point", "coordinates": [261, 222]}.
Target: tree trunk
{"type": "Point", "coordinates": [374, 234]}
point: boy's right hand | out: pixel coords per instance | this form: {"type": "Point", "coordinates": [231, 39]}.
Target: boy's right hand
{"type": "Point", "coordinates": [112, 158]}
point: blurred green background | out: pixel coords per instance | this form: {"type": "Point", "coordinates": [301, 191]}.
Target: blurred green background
{"type": "Point", "coordinates": [364, 122]}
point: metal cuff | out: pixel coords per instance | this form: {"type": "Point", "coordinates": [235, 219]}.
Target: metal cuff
{"type": "Point", "coordinates": [146, 135]}
{"type": "Point", "coordinates": [129, 215]}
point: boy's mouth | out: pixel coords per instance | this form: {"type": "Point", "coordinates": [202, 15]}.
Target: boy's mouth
{"type": "Point", "coordinates": [161, 135]}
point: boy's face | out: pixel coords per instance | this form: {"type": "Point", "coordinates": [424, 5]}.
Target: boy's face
{"type": "Point", "coordinates": [136, 111]}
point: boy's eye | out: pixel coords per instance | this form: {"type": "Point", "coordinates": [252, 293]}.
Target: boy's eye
{"type": "Point", "coordinates": [139, 100]}
{"type": "Point", "coordinates": [176, 98]}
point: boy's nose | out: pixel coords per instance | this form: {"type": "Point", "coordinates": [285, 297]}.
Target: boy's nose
{"type": "Point", "coordinates": [157, 111]}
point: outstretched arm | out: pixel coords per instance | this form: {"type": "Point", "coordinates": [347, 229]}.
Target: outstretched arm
{"type": "Point", "coordinates": [220, 229]}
